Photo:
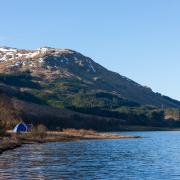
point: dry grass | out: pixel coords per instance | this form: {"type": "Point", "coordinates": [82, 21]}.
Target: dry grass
{"type": "Point", "coordinates": [79, 132]}
{"type": "Point", "coordinates": [84, 134]}
{"type": "Point", "coordinates": [9, 143]}
{"type": "Point", "coordinates": [65, 135]}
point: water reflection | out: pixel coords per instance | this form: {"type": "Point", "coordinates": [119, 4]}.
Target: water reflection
{"type": "Point", "coordinates": [153, 157]}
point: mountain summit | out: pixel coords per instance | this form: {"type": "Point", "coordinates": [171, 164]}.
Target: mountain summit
{"type": "Point", "coordinates": [62, 74]}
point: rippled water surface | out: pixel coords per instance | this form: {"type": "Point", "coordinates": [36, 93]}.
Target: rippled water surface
{"type": "Point", "coordinates": [157, 156]}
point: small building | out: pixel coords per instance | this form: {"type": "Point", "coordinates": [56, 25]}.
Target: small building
{"type": "Point", "coordinates": [21, 127]}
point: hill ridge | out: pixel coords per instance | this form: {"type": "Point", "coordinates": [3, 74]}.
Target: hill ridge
{"type": "Point", "coordinates": [67, 72]}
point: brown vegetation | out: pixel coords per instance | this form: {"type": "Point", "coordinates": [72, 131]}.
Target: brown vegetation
{"type": "Point", "coordinates": [8, 144]}
{"type": "Point", "coordinates": [39, 131]}
{"type": "Point", "coordinates": [9, 117]}
{"type": "Point", "coordinates": [79, 132]}
{"type": "Point", "coordinates": [75, 134]}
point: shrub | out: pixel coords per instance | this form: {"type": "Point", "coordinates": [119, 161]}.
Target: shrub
{"type": "Point", "coordinates": [2, 129]}
{"type": "Point", "coordinates": [39, 131]}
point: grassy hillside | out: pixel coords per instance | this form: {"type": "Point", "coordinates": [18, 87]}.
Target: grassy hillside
{"type": "Point", "coordinates": [66, 103]}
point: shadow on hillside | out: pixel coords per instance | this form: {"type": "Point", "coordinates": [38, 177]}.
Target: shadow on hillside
{"type": "Point", "coordinates": [24, 80]}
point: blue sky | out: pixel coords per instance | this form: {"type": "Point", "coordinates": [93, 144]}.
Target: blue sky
{"type": "Point", "coordinates": [139, 39]}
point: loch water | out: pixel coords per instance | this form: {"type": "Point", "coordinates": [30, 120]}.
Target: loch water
{"type": "Point", "coordinates": [156, 156]}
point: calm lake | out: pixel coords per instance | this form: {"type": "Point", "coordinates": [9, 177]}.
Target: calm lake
{"type": "Point", "coordinates": [156, 156]}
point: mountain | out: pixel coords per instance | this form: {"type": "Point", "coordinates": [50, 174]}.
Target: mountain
{"type": "Point", "coordinates": [67, 70]}
{"type": "Point", "coordinates": [65, 79]}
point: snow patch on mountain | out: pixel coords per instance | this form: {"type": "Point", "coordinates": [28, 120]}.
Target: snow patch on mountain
{"type": "Point", "coordinates": [31, 58]}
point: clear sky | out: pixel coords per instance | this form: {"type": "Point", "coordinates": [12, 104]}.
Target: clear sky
{"type": "Point", "coordinates": [139, 39]}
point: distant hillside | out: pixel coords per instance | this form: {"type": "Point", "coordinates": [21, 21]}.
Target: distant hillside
{"type": "Point", "coordinates": [63, 80]}
{"type": "Point", "coordinates": [63, 76]}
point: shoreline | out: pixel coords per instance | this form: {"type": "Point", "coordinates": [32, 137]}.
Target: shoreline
{"type": "Point", "coordinates": [145, 128]}
{"type": "Point", "coordinates": [9, 146]}
{"type": "Point", "coordinates": [67, 135]}
{"type": "Point", "coordinates": [18, 140]}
